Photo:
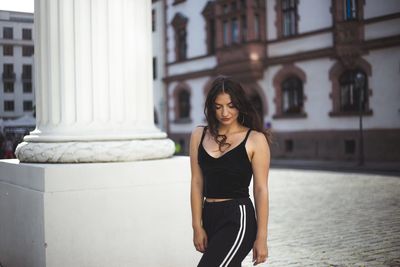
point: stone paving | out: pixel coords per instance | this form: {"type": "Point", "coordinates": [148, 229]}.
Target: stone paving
{"type": "Point", "coordinates": [321, 218]}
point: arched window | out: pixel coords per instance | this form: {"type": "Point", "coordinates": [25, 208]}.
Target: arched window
{"type": "Point", "coordinates": [179, 22]}
{"type": "Point", "coordinates": [183, 105]}
{"type": "Point", "coordinates": [351, 92]}
{"type": "Point", "coordinates": [289, 92]}
{"type": "Point", "coordinates": [345, 94]}
{"type": "Point", "coordinates": [292, 95]}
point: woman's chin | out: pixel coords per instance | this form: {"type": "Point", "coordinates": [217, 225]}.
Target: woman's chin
{"type": "Point", "coordinates": [226, 122]}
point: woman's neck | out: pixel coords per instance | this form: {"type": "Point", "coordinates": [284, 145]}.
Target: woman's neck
{"type": "Point", "coordinates": [228, 129]}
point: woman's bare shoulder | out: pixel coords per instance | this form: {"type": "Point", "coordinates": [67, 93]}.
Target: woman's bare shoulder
{"type": "Point", "coordinates": [258, 144]}
{"type": "Point", "coordinates": [197, 132]}
{"type": "Point", "coordinates": [257, 138]}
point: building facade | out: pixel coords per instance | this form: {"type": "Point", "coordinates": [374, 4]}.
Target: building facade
{"type": "Point", "coordinates": [311, 68]}
{"type": "Point", "coordinates": [17, 92]}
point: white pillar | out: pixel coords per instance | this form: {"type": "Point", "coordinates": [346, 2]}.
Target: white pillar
{"type": "Point", "coordinates": [93, 80]}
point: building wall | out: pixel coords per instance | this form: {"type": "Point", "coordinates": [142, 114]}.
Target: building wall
{"type": "Point", "coordinates": [316, 50]}
{"type": "Point", "coordinates": [314, 15]}
{"type": "Point", "coordinates": [17, 21]}
{"type": "Point", "coordinates": [374, 8]}
{"type": "Point", "coordinates": [300, 44]}
{"type": "Point", "coordinates": [385, 85]}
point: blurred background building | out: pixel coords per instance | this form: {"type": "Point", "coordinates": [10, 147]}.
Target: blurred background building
{"type": "Point", "coordinates": [314, 69]}
{"type": "Point", "coordinates": [16, 53]}
{"type": "Point", "coordinates": [17, 94]}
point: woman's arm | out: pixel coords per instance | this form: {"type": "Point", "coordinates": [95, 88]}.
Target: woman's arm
{"type": "Point", "coordinates": [196, 192]}
{"type": "Point", "coordinates": [260, 164]}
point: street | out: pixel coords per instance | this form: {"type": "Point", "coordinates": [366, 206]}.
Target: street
{"type": "Point", "coordinates": [321, 218]}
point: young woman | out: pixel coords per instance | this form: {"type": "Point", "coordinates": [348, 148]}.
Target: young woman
{"type": "Point", "coordinates": [224, 155]}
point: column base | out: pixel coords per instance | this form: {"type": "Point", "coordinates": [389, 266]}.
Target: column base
{"type": "Point", "coordinates": [95, 151]}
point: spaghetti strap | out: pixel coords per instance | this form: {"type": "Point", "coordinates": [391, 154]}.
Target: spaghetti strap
{"type": "Point", "coordinates": [247, 135]}
{"type": "Point", "coordinates": [204, 133]}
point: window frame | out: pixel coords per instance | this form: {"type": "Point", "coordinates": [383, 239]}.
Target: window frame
{"type": "Point", "coordinates": [7, 48]}
{"type": "Point", "coordinates": [8, 89]}
{"type": "Point", "coordinates": [184, 106]}
{"type": "Point", "coordinates": [179, 89]}
{"type": "Point", "coordinates": [211, 26]}
{"type": "Point", "coordinates": [27, 89]}
{"type": "Point", "coordinates": [294, 94]}
{"type": "Point", "coordinates": [27, 50]}
{"type": "Point", "coordinates": [8, 33]}
{"type": "Point", "coordinates": [8, 72]}
{"type": "Point", "coordinates": [334, 75]}
{"type": "Point", "coordinates": [25, 104]}
{"type": "Point", "coordinates": [26, 34]}
{"type": "Point", "coordinates": [12, 104]}
{"type": "Point", "coordinates": [286, 72]}
{"type": "Point", "coordinates": [27, 71]}
{"type": "Point", "coordinates": [352, 14]}
{"type": "Point", "coordinates": [293, 12]}
{"type": "Point", "coordinates": [350, 81]}
{"type": "Point", "coordinates": [179, 23]}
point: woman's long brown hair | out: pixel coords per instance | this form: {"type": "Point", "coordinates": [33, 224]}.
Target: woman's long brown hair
{"type": "Point", "coordinates": [248, 116]}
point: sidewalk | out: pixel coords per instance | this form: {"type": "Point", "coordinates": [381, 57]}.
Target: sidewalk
{"type": "Point", "coordinates": [324, 218]}
{"type": "Point", "coordinates": [385, 168]}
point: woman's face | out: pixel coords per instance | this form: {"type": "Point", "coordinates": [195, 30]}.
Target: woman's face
{"type": "Point", "coordinates": [225, 111]}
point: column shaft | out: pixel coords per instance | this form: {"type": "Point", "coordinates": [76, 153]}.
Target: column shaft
{"type": "Point", "coordinates": [93, 73]}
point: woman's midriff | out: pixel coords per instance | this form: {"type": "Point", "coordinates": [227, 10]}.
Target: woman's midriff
{"type": "Point", "coordinates": [217, 199]}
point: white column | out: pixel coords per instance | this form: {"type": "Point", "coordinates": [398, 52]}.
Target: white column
{"type": "Point", "coordinates": [93, 83]}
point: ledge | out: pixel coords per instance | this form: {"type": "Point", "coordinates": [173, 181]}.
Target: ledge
{"type": "Point", "coordinates": [349, 113]}
{"type": "Point", "coordinates": [290, 116]}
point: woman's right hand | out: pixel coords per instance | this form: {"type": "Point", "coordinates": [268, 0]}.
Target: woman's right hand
{"type": "Point", "coordinates": [200, 239]}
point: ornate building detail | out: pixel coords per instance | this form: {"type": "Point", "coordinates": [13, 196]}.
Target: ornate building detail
{"type": "Point", "coordinates": [240, 36]}
{"type": "Point", "coordinates": [348, 31]}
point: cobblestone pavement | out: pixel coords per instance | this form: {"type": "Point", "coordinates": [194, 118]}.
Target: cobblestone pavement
{"type": "Point", "coordinates": [321, 218]}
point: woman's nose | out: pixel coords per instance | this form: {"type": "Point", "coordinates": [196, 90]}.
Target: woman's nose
{"type": "Point", "coordinates": [224, 111]}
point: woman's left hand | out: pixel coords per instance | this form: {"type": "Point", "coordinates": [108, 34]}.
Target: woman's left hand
{"type": "Point", "coordinates": [260, 251]}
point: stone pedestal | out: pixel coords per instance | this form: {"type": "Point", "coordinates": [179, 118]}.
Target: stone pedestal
{"type": "Point", "coordinates": [97, 214]}
{"type": "Point", "coordinates": [94, 104]}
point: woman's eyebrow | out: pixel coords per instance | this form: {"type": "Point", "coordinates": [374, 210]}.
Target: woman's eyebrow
{"type": "Point", "coordinates": [223, 104]}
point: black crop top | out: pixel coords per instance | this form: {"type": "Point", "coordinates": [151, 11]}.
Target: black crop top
{"type": "Point", "coordinates": [227, 176]}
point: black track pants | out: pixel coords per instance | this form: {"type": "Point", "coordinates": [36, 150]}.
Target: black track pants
{"type": "Point", "coordinates": [231, 229]}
